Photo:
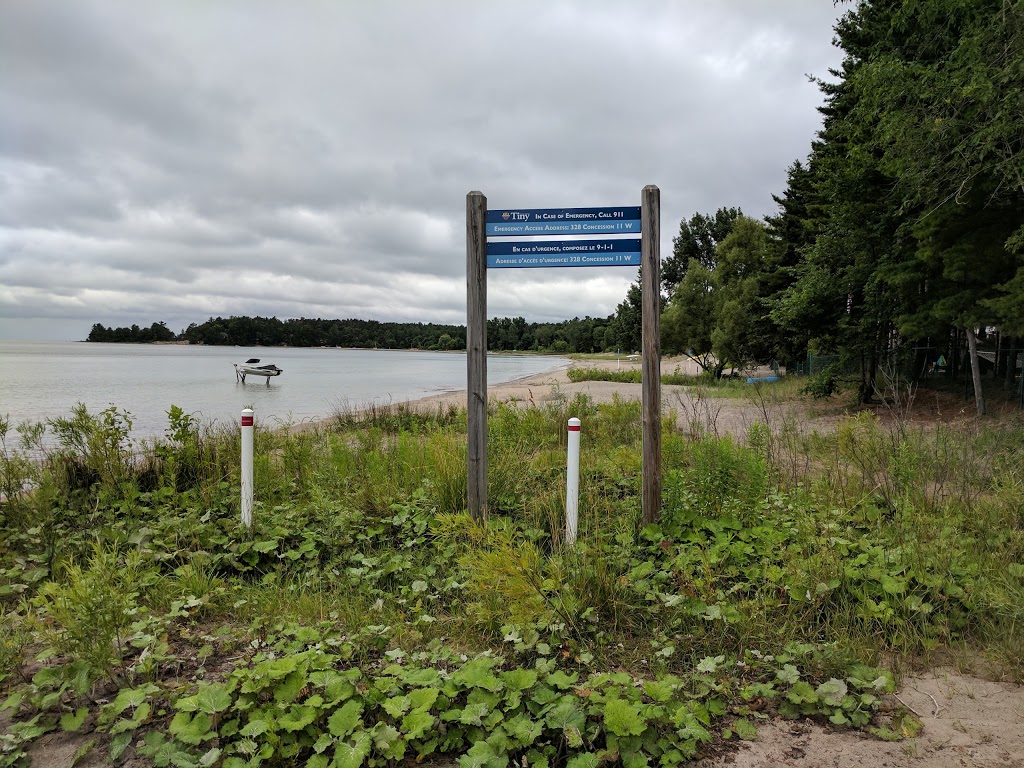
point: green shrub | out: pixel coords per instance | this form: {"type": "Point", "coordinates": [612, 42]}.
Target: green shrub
{"type": "Point", "coordinates": [632, 376]}
{"type": "Point", "coordinates": [824, 383]}
{"type": "Point", "coordinates": [88, 613]}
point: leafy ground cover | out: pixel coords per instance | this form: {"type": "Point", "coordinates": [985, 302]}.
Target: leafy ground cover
{"type": "Point", "coordinates": [367, 620]}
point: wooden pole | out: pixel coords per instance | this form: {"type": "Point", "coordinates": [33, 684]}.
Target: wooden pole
{"type": "Point", "coordinates": [476, 352]}
{"type": "Point", "coordinates": [650, 285]}
{"type": "Point", "coordinates": [979, 396]}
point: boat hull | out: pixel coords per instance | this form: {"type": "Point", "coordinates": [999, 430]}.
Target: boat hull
{"type": "Point", "coordinates": [257, 371]}
{"type": "Point", "coordinates": [245, 369]}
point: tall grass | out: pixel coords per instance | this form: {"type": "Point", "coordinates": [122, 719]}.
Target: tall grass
{"type": "Point", "coordinates": [787, 387]}
{"type": "Point", "coordinates": [880, 536]}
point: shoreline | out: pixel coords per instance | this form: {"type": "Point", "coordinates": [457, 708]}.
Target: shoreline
{"type": "Point", "coordinates": [496, 352]}
{"type": "Point", "coordinates": [695, 412]}
{"type": "Point", "coordinates": [541, 388]}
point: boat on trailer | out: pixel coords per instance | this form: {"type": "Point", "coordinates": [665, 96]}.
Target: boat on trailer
{"type": "Point", "coordinates": [252, 367]}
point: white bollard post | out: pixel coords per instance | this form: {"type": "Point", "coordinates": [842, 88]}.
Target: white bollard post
{"type": "Point", "coordinates": [247, 467]}
{"type": "Point", "coordinates": [572, 483]}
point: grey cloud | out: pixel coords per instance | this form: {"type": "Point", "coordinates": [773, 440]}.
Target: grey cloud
{"type": "Point", "coordinates": [169, 161]}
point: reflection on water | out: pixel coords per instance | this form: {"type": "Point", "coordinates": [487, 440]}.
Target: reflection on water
{"type": "Point", "coordinates": [45, 379]}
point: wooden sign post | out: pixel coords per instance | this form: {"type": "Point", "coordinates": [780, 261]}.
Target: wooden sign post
{"type": "Point", "coordinates": [636, 241]}
{"type": "Point", "coordinates": [476, 352]}
{"type": "Point", "coordinates": [650, 375]}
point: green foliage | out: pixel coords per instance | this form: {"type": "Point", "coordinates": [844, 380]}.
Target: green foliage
{"type": "Point", "coordinates": [94, 449]}
{"type": "Point", "coordinates": [907, 214]}
{"type": "Point", "coordinates": [948, 121]}
{"type": "Point", "coordinates": [741, 327]}
{"type": "Point", "coordinates": [14, 636]}
{"type": "Point", "coordinates": [696, 243]}
{"type": "Point", "coordinates": [842, 703]}
{"type": "Point", "coordinates": [88, 613]}
{"type": "Point", "coordinates": [300, 706]}
{"type": "Point", "coordinates": [318, 635]}
{"type": "Point", "coordinates": [16, 470]}
{"type": "Point", "coordinates": [689, 319]}
{"type": "Point", "coordinates": [156, 332]}
{"type": "Point", "coordinates": [705, 385]}
{"type": "Point", "coordinates": [824, 383]}
{"type": "Point", "coordinates": [629, 376]}
{"type": "Point", "coordinates": [719, 312]}
{"type": "Point", "coordinates": [903, 725]}
{"type": "Point", "coordinates": [627, 323]}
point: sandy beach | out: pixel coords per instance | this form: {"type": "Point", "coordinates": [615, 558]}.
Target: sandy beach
{"type": "Point", "coordinates": [555, 385]}
{"type": "Point", "coordinates": [694, 411]}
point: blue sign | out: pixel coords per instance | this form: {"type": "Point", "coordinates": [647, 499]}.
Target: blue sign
{"type": "Point", "coordinates": [563, 253]}
{"type": "Point", "coordinates": [564, 221]}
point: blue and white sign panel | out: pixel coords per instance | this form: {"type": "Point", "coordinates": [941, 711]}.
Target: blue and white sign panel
{"type": "Point", "coordinates": [563, 253]}
{"type": "Point", "coordinates": [621, 220]}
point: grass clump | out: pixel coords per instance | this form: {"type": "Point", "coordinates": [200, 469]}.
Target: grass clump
{"type": "Point", "coordinates": [728, 386]}
{"type": "Point", "coordinates": [87, 612]}
{"type": "Point", "coordinates": [630, 376]}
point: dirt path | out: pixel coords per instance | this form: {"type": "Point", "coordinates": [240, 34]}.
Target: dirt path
{"type": "Point", "coordinates": [967, 722]}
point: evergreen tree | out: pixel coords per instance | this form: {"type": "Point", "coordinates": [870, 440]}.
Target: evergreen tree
{"type": "Point", "coordinates": [697, 239]}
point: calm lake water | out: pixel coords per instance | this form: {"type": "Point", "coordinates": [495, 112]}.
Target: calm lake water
{"type": "Point", "coordinates": [45, 379]}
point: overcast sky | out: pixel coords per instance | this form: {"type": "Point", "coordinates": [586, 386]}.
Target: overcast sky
{"type": "Point", "coordinates": [180, 160]}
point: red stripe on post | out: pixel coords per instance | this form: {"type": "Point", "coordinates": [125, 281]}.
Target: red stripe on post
{"type": "Point", "coordinates": [247, 421]}
{"type": "Point", "coordinates": [574, 429]}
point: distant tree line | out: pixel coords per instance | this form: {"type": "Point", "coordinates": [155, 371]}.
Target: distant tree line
{"type": "Point", "coordinates": [503, 334]}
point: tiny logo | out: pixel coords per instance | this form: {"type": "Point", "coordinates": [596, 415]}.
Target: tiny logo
{"type": "Point", "coordinates": [505, 215]}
